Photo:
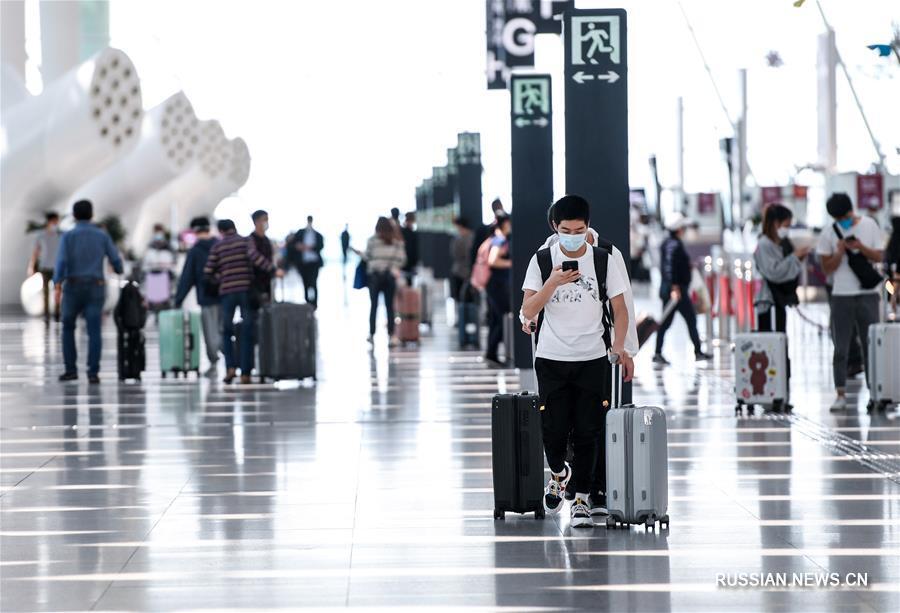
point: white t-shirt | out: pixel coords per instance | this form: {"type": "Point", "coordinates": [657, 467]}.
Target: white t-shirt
{"type": "Point", "coordinates": [572, 330]}
{"type": "Point", "coordinates": [844, 282]}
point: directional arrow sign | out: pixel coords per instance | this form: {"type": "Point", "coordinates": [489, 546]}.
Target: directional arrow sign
{"type": "Point", "coordinates": [541, 122]}
{"type": "Point", "coordinates": [612, 76]}
{"type": "Point", "coordinates": [582, 77]}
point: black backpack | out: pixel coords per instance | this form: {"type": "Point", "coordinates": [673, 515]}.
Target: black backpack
{"type": "Point", "coordinates": [860, 265]}
{"type": "Point", "coordinates": [131, 311]}
{"type": "Point", "coordinates": [602, 251]}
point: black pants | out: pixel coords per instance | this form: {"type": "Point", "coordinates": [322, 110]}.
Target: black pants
{"type": "Point", "coordinates": [572, 395]}
{"type": "Point", "coordinates": [854, 351]}
{"type": "Point", "coordinates": [382, 283]}
{"type": "Point", "coordinates": [310, 275]}
{"type": "Point", "coordinates": [764, 319]}
{"type": "Point", "coordinates": [497, 291]}
{"type": "Point", "coordinates": [686, 308]}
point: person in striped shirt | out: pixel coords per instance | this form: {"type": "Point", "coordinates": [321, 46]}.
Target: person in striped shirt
{"type": "Point", "coordinates": [230, 266]}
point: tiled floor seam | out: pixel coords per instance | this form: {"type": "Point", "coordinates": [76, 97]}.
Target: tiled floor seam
{"type": "Point", "coordinates": [141, 544]}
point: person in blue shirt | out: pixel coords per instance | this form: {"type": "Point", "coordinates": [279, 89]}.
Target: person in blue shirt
{"type": "Point", "coordinates": [192, 277]}
{"type": "Point", "coordinates": [78, 274]}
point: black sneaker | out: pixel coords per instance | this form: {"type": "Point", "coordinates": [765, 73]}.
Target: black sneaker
{"type": "Point", "coordinates": [68, 376]}
{"type": "Point", "coordinates": [700, 356]}
{"type": "Point", "coordinates": [597, 504]}
{"type": "Point", "coordinates": [93, 379]}
{"type": "Point", "coordinates": [659, 359]}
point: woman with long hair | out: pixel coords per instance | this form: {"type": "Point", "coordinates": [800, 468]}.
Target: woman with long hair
{"type": "Point", "coordinates": [779, 265]}
{"type": "Point", "coordinates": [385, 257]}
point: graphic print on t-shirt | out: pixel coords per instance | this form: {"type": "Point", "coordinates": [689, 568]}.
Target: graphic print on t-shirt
{"type": "Point", "coordinates": [575, 292]}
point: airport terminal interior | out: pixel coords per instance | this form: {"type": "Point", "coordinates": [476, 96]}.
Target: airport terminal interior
{"type": "Point", "coordinates": [276, 333]}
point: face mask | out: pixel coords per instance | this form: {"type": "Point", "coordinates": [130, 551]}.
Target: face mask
{"type": "Point", "coordinates": [572, 242]}
{"type": "Point", "coordinates": [783, 232]}
{"type": "Point", "coordinates": [846, 224]}
{"type": "Point", "coordinates": [159, 237]}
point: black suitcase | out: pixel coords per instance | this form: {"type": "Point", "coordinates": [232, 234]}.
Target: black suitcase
{"type": "Point", "coordinates": [518, 455]}
{"type": "Point", "coordinates": [287, 341]}
{"type": "Point", "coordinates": [130, 353]}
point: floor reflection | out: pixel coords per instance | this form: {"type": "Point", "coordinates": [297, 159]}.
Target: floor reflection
{"type": "Point", "coordinates": [372, 488]}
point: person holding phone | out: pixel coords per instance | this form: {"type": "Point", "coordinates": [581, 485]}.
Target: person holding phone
{"type": "Point", "coordinates": [846, 249]}
{"type": "Point", "coordinates": [565, 293]}
{"type": "Point", "coordinates": [779, 264]}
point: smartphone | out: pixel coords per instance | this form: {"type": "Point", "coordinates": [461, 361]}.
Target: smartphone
{"type": "Point", "coordinates": [570, 265]}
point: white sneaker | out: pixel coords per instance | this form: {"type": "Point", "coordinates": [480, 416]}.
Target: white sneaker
{"type": "Point", "coordinates": [839, 404]}
{"type": "Point", "coordinates": [555, 492]}
{"type": "Point", "coordinates": [581, 514]}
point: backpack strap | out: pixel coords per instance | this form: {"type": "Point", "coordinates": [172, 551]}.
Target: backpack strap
{"type": "Point", "coordinates": [601, 265]}
{"type": "Point", "coordinates": [545, 263]}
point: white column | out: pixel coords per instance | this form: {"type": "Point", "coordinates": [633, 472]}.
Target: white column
{"type": "Point", "coordinates": [826, 101]}
{"type": "Point", "coordinates": [679, 154]}
{"type": "Point", "coordinates": [60, 38]}
{"type": "Point", "coordinates": [741, 142]}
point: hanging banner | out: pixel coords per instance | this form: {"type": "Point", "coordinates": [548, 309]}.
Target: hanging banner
{"type": "Point", "coordinates": [870, 192]}
{"type": "Point", "coordinates": [468, 159]}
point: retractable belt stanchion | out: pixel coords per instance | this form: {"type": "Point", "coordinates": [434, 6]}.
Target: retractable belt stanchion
{"type": "Point", "coordinates": [709, 279]}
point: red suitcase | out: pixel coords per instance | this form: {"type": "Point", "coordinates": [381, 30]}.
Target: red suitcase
{"type": "Point", "coordinates": [408, 307]}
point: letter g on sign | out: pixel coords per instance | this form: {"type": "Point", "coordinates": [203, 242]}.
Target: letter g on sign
{"type": "Point", "coordinates": [518, 36]}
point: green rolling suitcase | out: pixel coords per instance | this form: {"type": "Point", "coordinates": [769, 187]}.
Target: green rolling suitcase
{"type": "Point", "coordinates": [179, 342]}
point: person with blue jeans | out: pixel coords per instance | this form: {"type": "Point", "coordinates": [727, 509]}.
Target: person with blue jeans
{"type": "Point", "coordinates": [230, 266]}
{"type": "Point", "coordinates": [78, 274]}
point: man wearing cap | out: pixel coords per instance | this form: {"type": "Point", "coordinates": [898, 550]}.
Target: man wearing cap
{"type": "Point", "coordinates": [192, 277]}
{"type": "Point", "coordinates": [676, 278]}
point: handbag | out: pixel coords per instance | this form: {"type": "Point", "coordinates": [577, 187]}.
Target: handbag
{"type": "Point", "coordinates": [361, 276]}
{"type": "Point", "coordinates": [861, 266]}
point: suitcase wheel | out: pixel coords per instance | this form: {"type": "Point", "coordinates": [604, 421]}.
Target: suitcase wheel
{"type": "Point", "coordinates": [664, 522]}
{"type": "Point", "coordinates": [163, 373]}
{"type": "Point", "coordinates": [738, 409]}
{"type": "Point", "coordinates": [540, 514]}
{"type": "Point", "coordinates": [750, 409]}
{"type": "Point", "coordinates": [499, 514]}
{"type": "Point", "coordinates": [610, 521]}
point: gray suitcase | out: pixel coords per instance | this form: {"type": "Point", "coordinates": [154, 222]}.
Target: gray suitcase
{"type": "Point", "coordinates": [884, 364]}
{"type": "Point", "coordinates": [637, 464]}
{"type": "Point", "coordinates": [287, 341]}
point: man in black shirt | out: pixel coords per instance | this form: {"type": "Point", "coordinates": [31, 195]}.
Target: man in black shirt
{"type": "Point", "coordinates": [411, 243]}
{"type": "Point", "coordinates": [262, 279]}
{"type": "Point", "coordinates": [676, 279]}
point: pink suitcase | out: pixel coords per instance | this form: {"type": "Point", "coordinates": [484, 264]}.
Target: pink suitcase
{"type": "Point", "coordinates": [157, 287]}
{"type": "Point", "coordinates": [409, 308]}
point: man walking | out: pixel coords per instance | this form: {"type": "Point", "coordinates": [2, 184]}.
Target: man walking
{"type": "Point", "coordinates": [78, 275]}
{"type": "Point", "coordinates": [308, 244]}
{"type": "Point", "coordinates": [854, 296]}
{"type": "Point", "coordinates": [345, 243]}
{"type": "Point", "coordinates": [43, 259]}
{"type": "Point", "coordinates": [569, 284]}
{"type": "Point", "coordinates": [261, 293]}
{"type": "Point", "coordinates": [231, 264]}
{"type": "Point", "coordinates": [192, 277]}
{"type": "Point", "coordinates": [411, 244]}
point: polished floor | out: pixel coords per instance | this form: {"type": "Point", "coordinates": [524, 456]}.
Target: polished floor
{"type": "Point", "coordinates": [372, 488]}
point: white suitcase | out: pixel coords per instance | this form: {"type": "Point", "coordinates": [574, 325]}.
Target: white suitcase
{"type": "Point", "coordinates": [637, 463]}
{"type": "Point", "coordinates": [761, 371]}
{"type": "Point", "coordinates": [884, 365]}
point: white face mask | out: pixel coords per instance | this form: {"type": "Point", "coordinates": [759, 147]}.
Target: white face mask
{"type": "Point", "coordinates": [572, 242]}
{"type": "Point", "coordinates": [783, 232]}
